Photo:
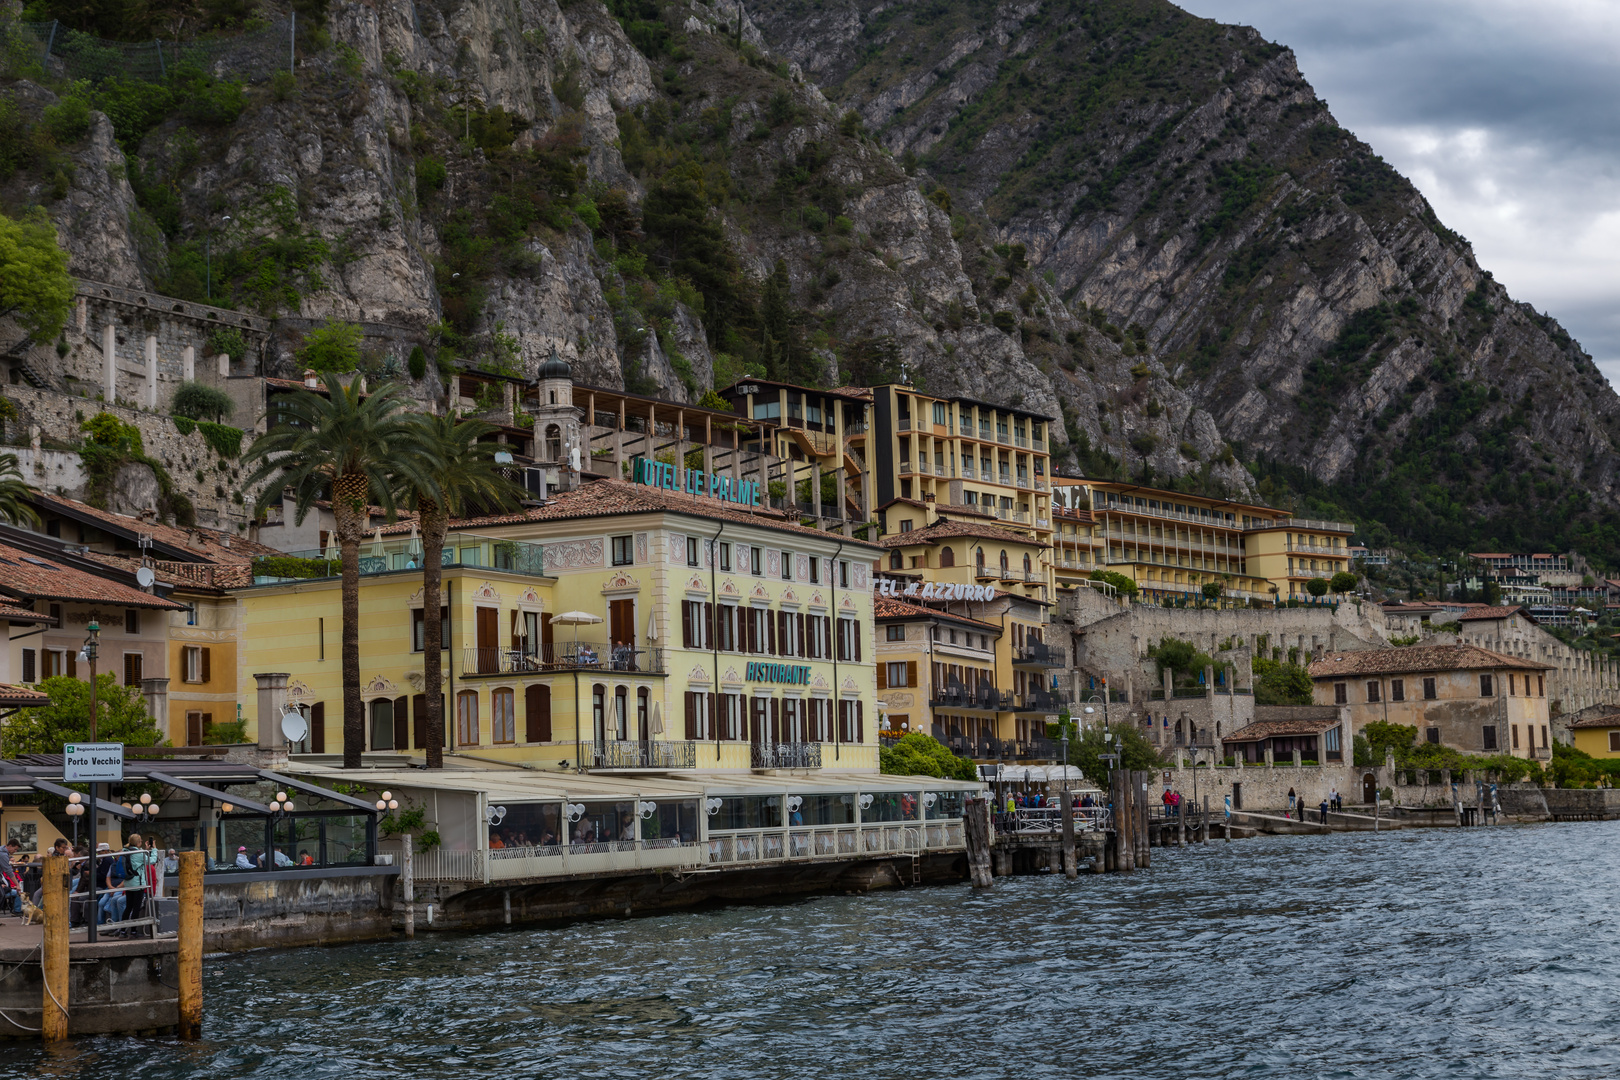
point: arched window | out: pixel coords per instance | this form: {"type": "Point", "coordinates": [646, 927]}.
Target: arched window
{"type": "Point", "coordinates": [382, 724]}
{"type": "Point", "coordinates": [599, 712]}
{"type": "Point", "coordinates": [979, 558]}
{"type": "Point", "coordinates": [503, 715]}
{"type": "Point", "coordinates": [1004, 560]}
{"type": "Point", "coordinates": [621, 713]}
{"type": "Point", "coordinates": [553, 441]}
{"type": "Point", "coordinates": [897, 561]}
{"type": "Point", "coordinates": [643, 720]}
{"type": "Point", "coordinates": [947, 557]}
{"type": "Point", "coordinates": [467, 718]}
{"type": "Point", "coordinates": [1026, 562]}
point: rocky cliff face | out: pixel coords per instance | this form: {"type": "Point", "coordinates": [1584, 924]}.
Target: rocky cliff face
{"type": "Point", "coordinates": [1140, 223]}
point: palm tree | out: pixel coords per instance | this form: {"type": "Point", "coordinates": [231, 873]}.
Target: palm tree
{"type": "Point", "coordinates": [464, 476]}
{"type": "Point", "coordinates": [356, 450]}
{"type": "Point", "coordinates": [14, 493]}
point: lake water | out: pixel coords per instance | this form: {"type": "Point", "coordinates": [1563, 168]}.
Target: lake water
{"type": "Point", "coordinates": [1440, 953]}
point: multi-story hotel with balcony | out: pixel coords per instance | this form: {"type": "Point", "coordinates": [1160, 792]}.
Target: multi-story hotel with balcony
{"type": "Point", "coordinates": [1172, 544]}
{"type": "Point", "coordinates": [696, 634]}
{"type": "Point", "coordinates": [812, 439]}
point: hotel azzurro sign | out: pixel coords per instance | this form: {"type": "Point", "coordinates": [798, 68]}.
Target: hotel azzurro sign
{"type": "Point", "coordinates": [693, 481]}
{"type": "Point", "coordinates": [930, 590]}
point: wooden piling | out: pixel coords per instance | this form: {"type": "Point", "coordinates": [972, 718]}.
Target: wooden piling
{"type": "Point", "coordinates": [976, 832]}
{"type": "Point", "coordinates": [190, 943]}
{"type": "Point", "coordinates": [1144, 858]}
{"type": "Point", "coordinates": [407, 885]}
{"type": "Point", "coordinates": [54, 963]}
{"type": "Point", "coordinates": [1204, 832]}
{"type": "Point", "coordinates": [1071, 868]}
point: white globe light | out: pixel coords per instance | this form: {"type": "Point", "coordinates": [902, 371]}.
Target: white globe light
{"type": "Point", "coordinates": [227, 807]}
{"type": "Point", "coordinates": [393, 804]}
{"type": "Point", "coordinates": [281, 796]}
{"type": "Point", "coordinates": [287, 807]}
{"type": "Point", "coordinates": [152, 810]}
{"type": "Point", "coordinates": [75, 798]}
{"type": "Point", "coordinates": [387, 795]}
{"type": "Point", "coordinates": [146, 800]}
{"type": "Point", "coordinates": [381, 805]}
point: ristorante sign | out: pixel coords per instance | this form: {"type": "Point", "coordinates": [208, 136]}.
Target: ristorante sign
{"type": "Point", "coordinates": [693, 481]}
{"type": "Point", "coordinates": [795, 674]}
{"type": "Point", "coordinates": [930, 590]}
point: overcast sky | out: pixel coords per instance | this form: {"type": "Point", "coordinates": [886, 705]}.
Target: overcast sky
{"type": "Point", "coordinates": [1503, 114]}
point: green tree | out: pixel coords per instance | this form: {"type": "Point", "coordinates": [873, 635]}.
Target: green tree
{"type": "Point", "coordinates": [1317, 587]}
{"type": "Point", "coordinates": [1174, 654]}
{"type": "Point", "coordinates": [120, 717]}
{"type": "Point", "coordinates": [1342, 582]}
{"type": "Point", "coordinates": [35, 288]}
{"type": "Point", "coordinates": [358, 452]}
{"type": "Point", "coordinates": [1277, 682]}
{"type": "Point", "coordinates": [1382, 737]}
{"type": "Point", "coordinates": [1135, 751]}
{"type": "Point", "coordinates": [1123, 585]}
{"type": "Point", "coordinates": [198, 402]}
{"type": "Point", "coordinates": [333, 347]}
{"type": "Point", "coordinates": [920, 754]}
{"type": "Point", "coordinates": [14, 494]}
{"type": "Point", "coordinates": [464, 478]}
{"type": "Point", "coordinates": [712, 400]}
{"type": "Point", "coordinates": [1212, 590]}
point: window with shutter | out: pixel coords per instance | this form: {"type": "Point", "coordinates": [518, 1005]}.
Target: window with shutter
{"type": "Point", "coordinates": [207, 664]}
{"type": "Point", "coordinates": [860, 721]}
{"type": "Point", "coordinates": [402, 724]}
{"type": "Point", "coordinates": [686, 624]}
{"type": "Point", "coordinates": [132, 669]}
{"type": "Point", "coordinates": [883, 676]}
{"type": "Point", "coordinates": [317, 728]}
{"type": "Point", "coordinates": [911, 673]}
{"type": "Point", "coordinates": [691, 716]}
{"type": "Point", "coordinates": [537, 714]}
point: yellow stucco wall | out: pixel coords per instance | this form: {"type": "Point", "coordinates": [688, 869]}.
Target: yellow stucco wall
{"type": "Point", "coordinates": [1595, 741]}
{"type": "Point", "coordinates": [1458, 709]}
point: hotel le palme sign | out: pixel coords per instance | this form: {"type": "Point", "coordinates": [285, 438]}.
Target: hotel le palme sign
{"type": "Point", "coordinates": [693, 481]}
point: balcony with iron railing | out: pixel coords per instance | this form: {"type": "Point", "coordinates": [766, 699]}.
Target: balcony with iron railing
{"type": "Point", "coordinates": [1019, 440]}
{"type": "Point", "coordinates": [619, 754]}
{"type": "Point", "coordinates": [955, 695]}
{"type": "Point", "coordinates": [561, 656]}
{"type": "Point", "coordinates": [404, 553]}
{"type": "Point", "coordinates": [1039, 654]}
{"type": "Point", "coordinates": [903, 423]}
{"type": "Point", "coordinates": [797, 755]}
{"type": "Point", "coordinates": [1041, 701]}
{"type": "Point", "coordinates": [1320, 549]}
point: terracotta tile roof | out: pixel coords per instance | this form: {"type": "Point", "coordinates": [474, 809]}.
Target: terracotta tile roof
{"type": "Point", "coordinates": [862, 392]}
{"type": "Point", "coordinates": [944, 530]}
{"type": "Point", "coordinates": [1494, 613]}
{"type": "Point", "coordinates": [1415, 658]}
{"type": "Point", "coordinates": [27, 577]}
{"type": "Point", "coordinates": [18, 695]}
{"type": "Point", "coordinates": [204, 545]}
{"type": "Point", "coordinates": [1267, 729]}
{"type": "Point", "coordinates": [889, 607]}
{"type": "Point", "coordinates": [13, 613]}
{"type": "Point", "coordinates": [1605, 720]}
{"type": "Point", "coordinates": [614, 498]}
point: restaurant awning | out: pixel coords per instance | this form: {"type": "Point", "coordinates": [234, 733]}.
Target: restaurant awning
{"type": "Point", "coordinates": [316, 789]}
{"type": "Point", "coordinates": [208, 792]}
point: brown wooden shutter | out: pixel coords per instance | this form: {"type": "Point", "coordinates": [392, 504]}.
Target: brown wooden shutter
{"type": "Point", "coordinates": [883, 676]}
{"type": "Point", "coordinates": [782, 634]}
{"type": "Point", "coordinates": [419, 721]}
{"type": "Point", "coordinates": [803, 649]}
{"type": "Point", "coordinates": [317, 728]}
{"type": "Point", "coordinates": [911, 673]}
{"type": "Point", "coordinates": [402, 724]}
{"type": "Point", "coordinates": [860, 721]}
{"type": "Point", "coordinates": [856, 623]}
{"type": "Point", "coordinates": [686, 624]}
{"type": "Point", "coordinates": [714, 716]}
{"type": "Point", "coordinates": [73, 665]}
{"type": "Point", "coordinates": [776, 720]}
{"type": "Point", "coordinates": [537, 713]}
{"type": "Point", "coordinates": [207, 664]}
{"type": "Point", "coordinates": [691, 714]}
{"type": "Point", "coordinates": [770, 622]}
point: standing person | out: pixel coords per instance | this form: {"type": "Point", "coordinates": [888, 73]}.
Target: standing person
{"type": "Point", "coordinates": [109, 879]}
{"type": "Point", "coordinates": [1292, 800]}
{"type": "Point", "coordinates": [9, 876]}
{"type": "Point", "coordinates": [135, 857]}
{"type": "Point", "coordinates": [1324, 809]}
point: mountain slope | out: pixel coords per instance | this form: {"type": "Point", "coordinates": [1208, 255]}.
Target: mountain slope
{"type": "Point", "coordinates": [1181, 176]}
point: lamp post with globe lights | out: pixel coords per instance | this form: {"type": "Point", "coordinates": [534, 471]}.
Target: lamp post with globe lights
{"type": "Point", "coordinates": [280, 807]}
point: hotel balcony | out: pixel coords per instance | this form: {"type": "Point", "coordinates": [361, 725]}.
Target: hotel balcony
{"type": "Point", "coordinates": [786, 755]}
{"type": "Point", "coordinates": [403, 553]}
{"type": "Point", "coordinates": [562, 656]}
{"type": "Point", "coordinates": [1040, 654]}
{"type": "Point", "coordinates": [958, 696]}
{"type": "Point", "coordinates": [1041, 701]}
{"type": "Point", "coordinates": [622, 754]}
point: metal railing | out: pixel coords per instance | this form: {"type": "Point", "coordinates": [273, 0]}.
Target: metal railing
{"type": "Point", "coordinates": [986, 699]}
{"type": "Point", "coordinates": [635, 754]}
{"type": "Point", "coordinates": [1048, 820]}
{"type": "Point", "coordinates": [786, 755]}
{"type": "Point", "coordinates": [562, 656]}
{"type": "Point", "coordinates": [403, 553]}
{"type": "Point", "coordinates": [834, 842]}
{"type": "Point", "coordinates": [1042, 701]}
{"type": "Point", "coordinates": [1039, 652]}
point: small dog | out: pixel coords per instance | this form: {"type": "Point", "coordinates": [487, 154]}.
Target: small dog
{"type": "Point", "coordinates": [31, 913]}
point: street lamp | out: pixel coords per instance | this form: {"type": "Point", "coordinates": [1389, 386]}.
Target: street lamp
{"type": "Point", "coordinates": [280, 807]}
{"type": "Point", "coordinates": [75, 810]}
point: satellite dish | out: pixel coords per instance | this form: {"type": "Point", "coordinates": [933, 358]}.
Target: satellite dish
{"type": "Point", "coordinates": [293, 726]}
{"type": "Point", "coordinates": [145, 576]}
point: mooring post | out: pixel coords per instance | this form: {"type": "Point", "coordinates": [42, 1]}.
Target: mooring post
{"type": "Point", "coordinates": [976, 834]}
{"type": "Point", "coordinates": [190, 935]}
{"type": "Point", "coordinates": [1071, 868]}
{"type": "Point", "coordinates": [53, 1024]}
{"type": "Point", "coordinates": [1378, 801]}
{"type": "Point", "coordinates": [407, 885]}
{"type": "Point", "coordinates": [1204, 832]}
{"type": "Point", "coordinates": [1145, 857]}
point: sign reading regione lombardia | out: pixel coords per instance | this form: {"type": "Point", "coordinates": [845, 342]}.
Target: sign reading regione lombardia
{"type": "Point", "coordinates": [92, 762]}
{"type": "Point", "coordinates": [931, 590]}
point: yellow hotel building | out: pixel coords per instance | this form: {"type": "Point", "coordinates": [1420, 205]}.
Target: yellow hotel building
{"type": "Point", "coordinates": [725, 638]}
{"type": "Point", "coordinates": [1172, 544]}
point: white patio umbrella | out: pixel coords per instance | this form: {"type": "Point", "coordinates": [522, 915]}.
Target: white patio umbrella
{"type": "Point", "coordinates": [576, 619]}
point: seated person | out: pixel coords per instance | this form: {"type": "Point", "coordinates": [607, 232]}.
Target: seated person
{"type": "Point", "coordinates": [585, 832]}
{"type": "Point", "coordinates": [243, 862]}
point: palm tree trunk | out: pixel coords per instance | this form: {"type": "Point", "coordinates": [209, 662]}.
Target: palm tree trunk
{"type": "Point", "coordinates": [434, 526]}
{"type": "Point", "coordinates": [349, 513]}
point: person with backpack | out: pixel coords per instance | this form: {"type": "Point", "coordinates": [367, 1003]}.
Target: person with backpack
{"type": "Point", "coordinates": [135, 858]}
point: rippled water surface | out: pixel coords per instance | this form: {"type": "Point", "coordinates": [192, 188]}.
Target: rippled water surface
{"type": "Point", "coordinates": [1484, 953]}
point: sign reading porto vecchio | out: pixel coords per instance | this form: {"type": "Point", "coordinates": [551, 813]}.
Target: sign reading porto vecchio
{"type": "Point", "coordinates": [693, 481]}
{"type": "Point", "coordinates": [930, 590]}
